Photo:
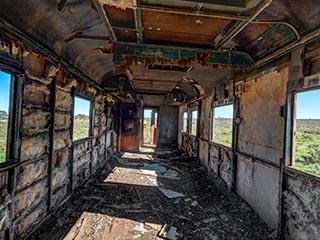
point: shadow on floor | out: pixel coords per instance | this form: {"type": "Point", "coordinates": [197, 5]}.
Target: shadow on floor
{"type": "Point", "coordinates": [141, 196]}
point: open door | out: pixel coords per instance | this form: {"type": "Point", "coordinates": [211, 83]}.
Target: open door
{"type": "Point", "coordinates": [150, 127]}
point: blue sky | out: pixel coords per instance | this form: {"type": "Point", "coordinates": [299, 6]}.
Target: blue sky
{"type": "Point", "coordinates": [147, 113]}
{"type": "Point", "coordinates": [224, 112]}
{"type": "Point", "coordinates": [308, 105]}
{"type": "Point", "coordinates": [81, 106]}
{"type": "Point", "coordinates": [4, 91]}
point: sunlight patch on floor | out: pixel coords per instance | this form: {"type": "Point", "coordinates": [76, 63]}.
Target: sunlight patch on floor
{"type": "Point", "coordinates": [102, 226]}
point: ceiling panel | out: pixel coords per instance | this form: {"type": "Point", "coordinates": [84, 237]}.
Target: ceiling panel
{"type": "Point", "coordinates": [261, 39]}
{"type": "Point", "coordinates": [126, 35]}
{"type": "Point", "coordinates": [182, 39]}
{"type": "Point", "coordinates": [183, 24]}
{"type": "Point", "coordinates": [239, 7]}
{"type": "Point", "coordinates": [120, 17]}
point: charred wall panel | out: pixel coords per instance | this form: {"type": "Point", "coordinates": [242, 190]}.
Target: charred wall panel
{"type": "Point", "coordinates": [302, 208]}
{"type": "Point", "coordinates": [42, 179]}
{"type": "Point", "coordinates": [206, 105]}
{"type": "Point", "coordinates": [130, 128]}
{"type": "Point", "coordinates": [203, 152]}
{"type": "Point", "coordinates": [220, 162]}
{"type": "Point", "coordinates": [214, 158]}
{"type": "Point", "coordinates": [168, 126]}
{"type": "Point", "coordinates": [182, 109]}
{"type": "Point", "coordinates": [204, 130]}
{"type": "Point", "coordinates": [31, 195]}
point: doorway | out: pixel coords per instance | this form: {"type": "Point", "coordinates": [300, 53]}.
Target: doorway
{"type": "Point", "coordinates": [150, 127]}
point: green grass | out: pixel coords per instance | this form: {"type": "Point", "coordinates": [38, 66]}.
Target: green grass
{"type": "Point", "coordinates": [307, 152]}
{"type": "Point", "coordinates": [146, 131]}
{"type": "Point", "coordinates": [222, 131]}
{"type": "Point", "coordinates": [3, 140]}
{"type": "Point", "coordinates": [81, 129]}
{"type": "Point", "coordinates": [194, 127]}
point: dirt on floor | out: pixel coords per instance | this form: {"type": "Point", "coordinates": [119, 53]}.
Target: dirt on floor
{"type": "Point", "coordinates": [153, 195]}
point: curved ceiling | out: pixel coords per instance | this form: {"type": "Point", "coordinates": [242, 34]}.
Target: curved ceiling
{"type": "Point", "coordinates": [160, 40]}
{"type": "Point", "coordinates": [47, 25]}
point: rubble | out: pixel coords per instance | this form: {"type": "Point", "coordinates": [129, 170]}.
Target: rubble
{"type": "Point", "coordinates": [171, 194]}
{"type": "Point", "coordinates": [119, 202]}
{"type": "Point", "coordinates": [168, 232]}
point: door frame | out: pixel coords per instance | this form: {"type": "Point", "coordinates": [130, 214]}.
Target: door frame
{"type": "Point", "coordinates": [156, 136]}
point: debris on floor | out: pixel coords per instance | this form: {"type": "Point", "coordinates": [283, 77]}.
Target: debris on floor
{"type": "Point", "coordinates": [171, 194]}
{"type": "Point", "coordinates": [141, 196]}
{"type": "Point", "coordinates": [168, 232]}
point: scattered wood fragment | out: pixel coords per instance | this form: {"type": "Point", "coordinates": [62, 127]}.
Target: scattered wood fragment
{"type": "Point", "coordinates": [208, 232]}
{"type": "Point", "coordinates": [106, 184]}
{"type": "Point", "coordinates": [171, 194]}
{"type": "Point", "coordinates": [168, 232]}
{"type": "Point", "coordinates": [125, 206]}
{"type": "Point", "coordinates": [209, 220]}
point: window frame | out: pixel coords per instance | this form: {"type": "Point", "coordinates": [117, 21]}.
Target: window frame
{"type": "Point", "coordinates": [15, 69]}
{"type": "Point", "coordinates": [212, 117]}
{"type": "Point", "coordinates": [15, 114]}
{"type": "Point", "coordinates": [288, 111]}
{"type": "Point", "coordinates": [197, 122]}
{"type": "Point", "coordinates": [184, 126]}
{"type": "Point", "coordinates": [91, 99]}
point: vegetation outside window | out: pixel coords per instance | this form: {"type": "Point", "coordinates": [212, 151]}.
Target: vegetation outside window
{"type": "Point", "coordinates": [184, 122]}
{"type": "Point", "coordinates": [222, 125]}
{"type": "Point", "coordinates": [306, 146]}
{"type": "Point", "coordinates": [5, 81]}
{"type": "Point", "coordinates": [82, 118]}
{"type": "Point", "coordinates": [194, 123]}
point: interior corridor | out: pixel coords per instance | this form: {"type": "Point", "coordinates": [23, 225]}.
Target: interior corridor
{"type": "Point", "coordinates": [151, 195]}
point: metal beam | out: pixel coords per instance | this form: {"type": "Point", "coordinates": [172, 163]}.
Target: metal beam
{"type": "Point", "coordinates": [262, 36]}
{"type": "Point", "coordinates": [193, 13]}
{"type": "Point", "coordinates": [80, 34]}
{"type": "Point", "coordinates": [289, 25]}
{"type": "Point", "coordinates": [240, 25]}
{"type": "Point", "coordinates": [229, 3]}
{"type": "Point", "coordinates": [137, 20]}
{"type": "Point", "coordinates": [105, 19]}
{"type": "Point", "coordinates": [289, 48]}
{"type": "Point", "coordinates": [273, 46]}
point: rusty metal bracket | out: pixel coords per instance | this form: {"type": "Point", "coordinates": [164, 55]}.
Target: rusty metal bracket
{"type": "Point", "coordinates": [283, 111]}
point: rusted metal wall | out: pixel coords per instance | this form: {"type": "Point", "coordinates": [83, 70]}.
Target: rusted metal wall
{"type": "Point", "coordinates": [168, 126]}
{"type": "Point", "coordinates": [259, 104]}
{"type": "Point", "coordinates": [259, 109]}
{"type": "Point", "coordinates": [301, 191]}
{"type": "Point", "coordinates": [131, 114]}
{"type": "Point", "coordinates": [258, 184]}
{"type": "Point", "coordinates": [45, 177]}
{"type": "Point", "coordinates": [204, 130]}
{"type": "Point", "coordinates": [261, 135]}
{"type": "Point", "coordinates": [182, 110]}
